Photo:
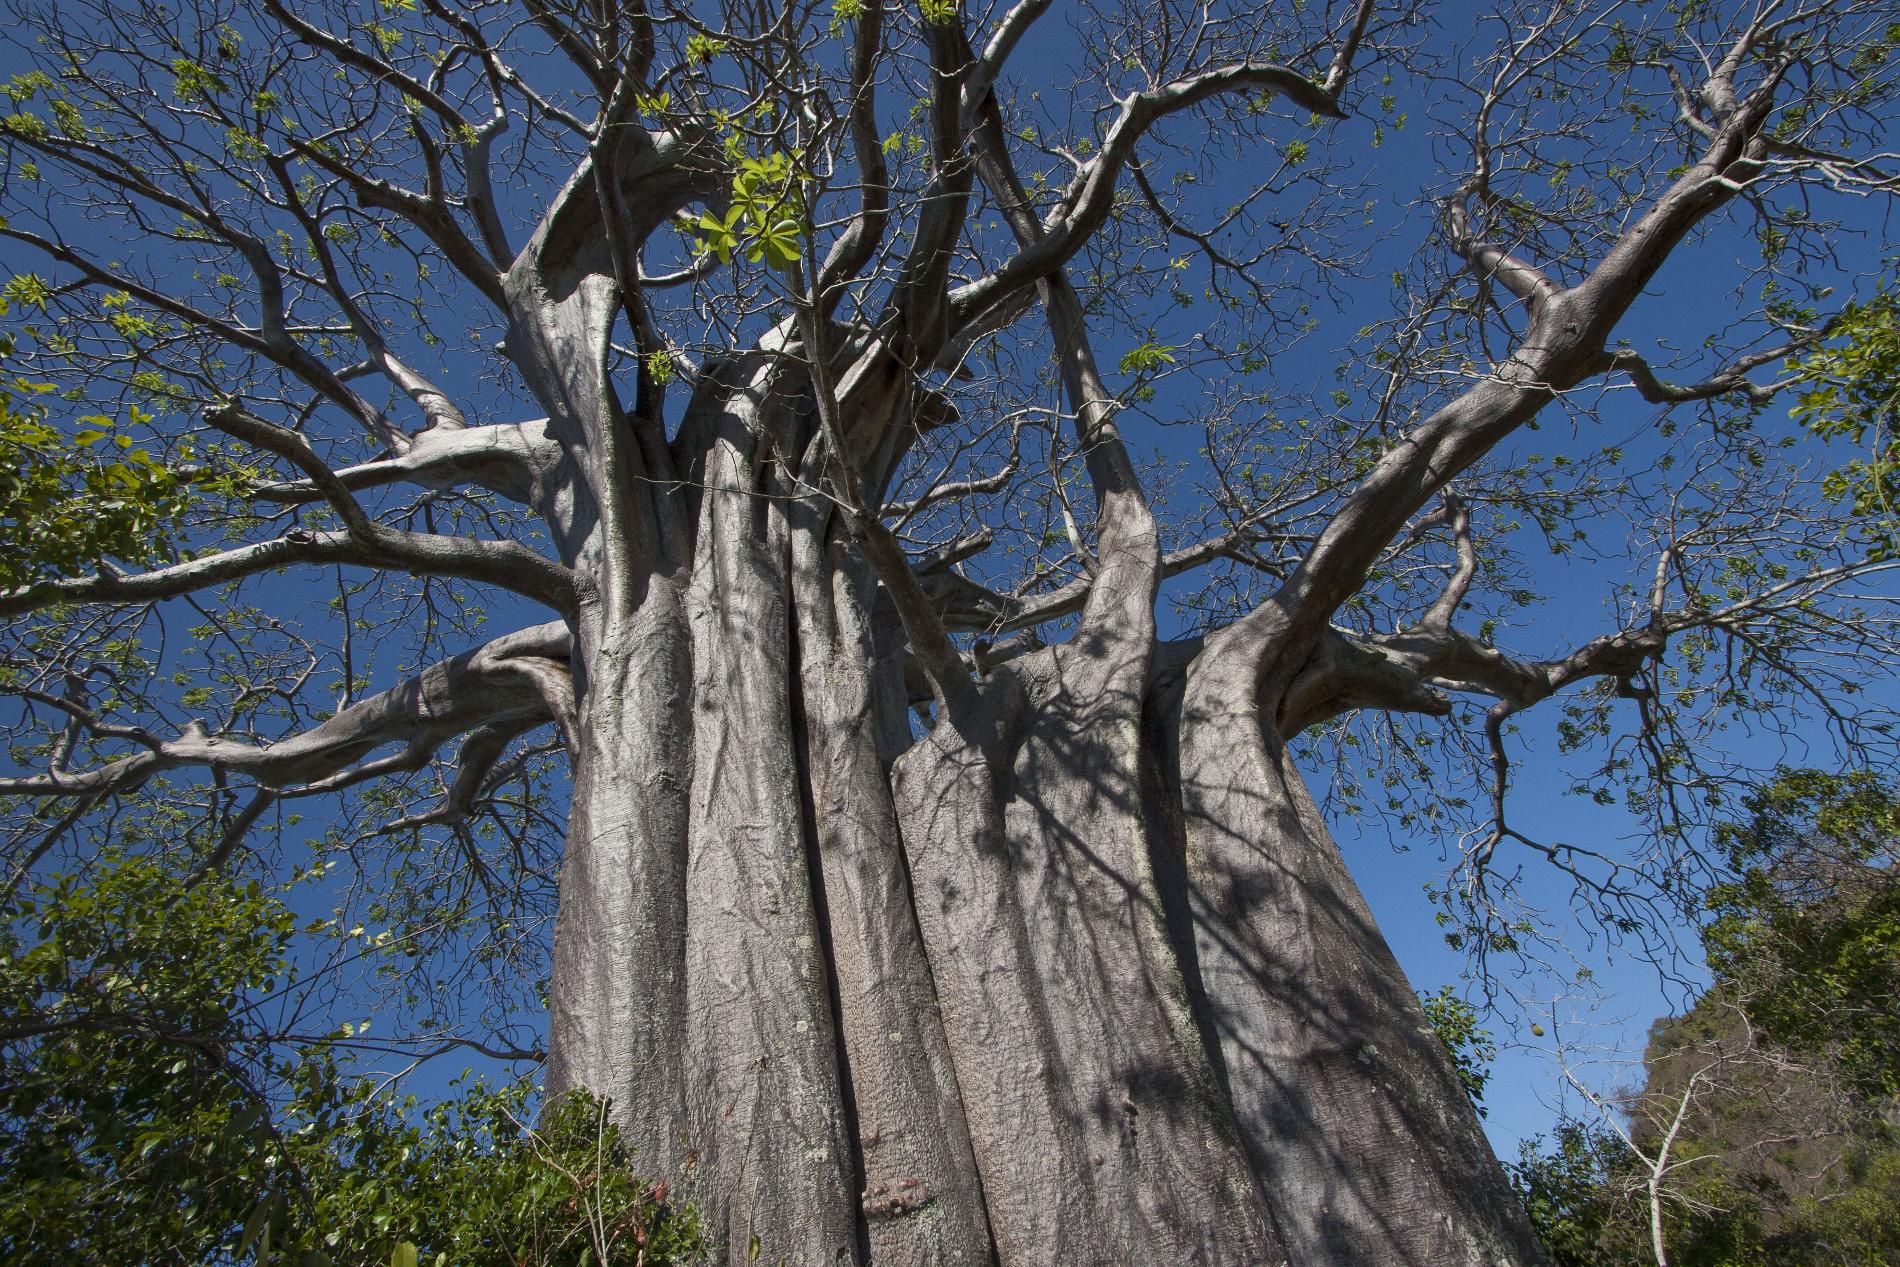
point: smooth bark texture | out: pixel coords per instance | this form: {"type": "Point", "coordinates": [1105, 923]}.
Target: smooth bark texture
{"type": "Point", "coordinates": [1077, 976]}
{"type": "Point", "coordinates": [1356, 1124]}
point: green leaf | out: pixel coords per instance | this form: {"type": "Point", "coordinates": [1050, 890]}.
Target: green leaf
{"type": "Point", "coordinates": [1149, 356]}
{"type": "Point", "coordinates": [256, 1226]}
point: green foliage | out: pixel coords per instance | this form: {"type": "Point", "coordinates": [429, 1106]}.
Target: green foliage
{"type": "Point", "coordinates": [144, 1116]}
{"type": "Point", "coordinates": [70, 500]}
{"type": "Point", "coordinates": [1788, 1155]}
{"type": "Point", "coordinates": [130, 1128]}
{"type": "Point", "coordinates": [1472, 1048]}
{"type": "Point", "coordinates": [469, 1182]}
{"type": "Point", "coordinates": [938, 12]}
{"type": "Point", "coordinates": [1852, 393]}
{"type": "Point", "coordinates": [1808, 931]}
{"type": "Point", "coordinates": [701, 49]}
{"type": "Point", "coordinates": [765, 217]}
{"type": "Point", "coordinates": [1149, 356]}
{"type": "Point", "coordinates": [1571, 1190]}
{"type": "Point", "coordinates": [844, 12]}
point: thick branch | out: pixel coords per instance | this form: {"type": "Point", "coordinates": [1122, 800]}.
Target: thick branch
{"type": "Point", "coordinates": [500, 683]}
{"type": "Point", "coordinates": [654, 177]}
{"type": "Point", "coordinates": [858, 243]}
{"type": "Point", "coordinates": [475, 763]}
{"type": "Point", "coordinates": [508, 564]}
{"type": "Point", "coordinates": [1405, 671]}
{"type": "Point", "coordinates": [504, 564]}
{"type": "Point", "coordinates": [1563, 345]}
{"type": "Point", "coordinates": [920, 302]}
{"type": "Point", "coordinates": [502, 457]}
{"type": "Point", "coordinates": [1128, 547]}
{"type": "Point", "coordinates": [1490, 262]}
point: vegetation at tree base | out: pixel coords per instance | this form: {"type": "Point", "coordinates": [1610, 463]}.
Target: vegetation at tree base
{"type": "Point", "coordinates": [147, 1117]}
{"type": "Point", "coordinates": [1774, 1103]}
{"type": "Point", "coordinates": [824, 572]}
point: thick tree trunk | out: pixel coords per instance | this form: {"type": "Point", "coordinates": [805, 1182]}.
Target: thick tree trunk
{"type": "Point", "coordinates": [921, 1196]}
{"type": "Point", "coordinates": [1077, 977]}
{"type": "Point", "coordinates": [617, 994]}
{"type": "Point", "coordinates": [1358, 1128]}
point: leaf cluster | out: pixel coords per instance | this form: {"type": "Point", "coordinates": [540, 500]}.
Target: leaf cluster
{"type": "Point", "coordinates": [1472, 1047]}
{"type": "Point", "coordinates": [764, 219]}
{"type": "Point", "coordinates": [147, 1115]}
{"type": "Point", "coordinates": [1851, 392]}
{"type": "Point", "coordinates": [70, 501]}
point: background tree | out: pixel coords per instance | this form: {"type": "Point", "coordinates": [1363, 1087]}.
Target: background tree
{"type": "Point", "coordinates": [916, 899]}
{"type": "Point", "coordinates": [1764, 1131]}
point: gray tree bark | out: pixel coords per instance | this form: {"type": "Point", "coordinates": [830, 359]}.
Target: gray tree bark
{"type": "Point", "coordinates": [1077, 976]}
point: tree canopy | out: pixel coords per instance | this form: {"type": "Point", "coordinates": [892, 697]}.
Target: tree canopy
{"type": "Point", "coordinates": [795, 562]}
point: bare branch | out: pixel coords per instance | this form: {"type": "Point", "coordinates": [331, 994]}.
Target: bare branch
{"type": "Point", "coordinates": [503, 457]}
{"type": "Point", "coordinates": [494, 684]}
{"type": "Point", "coordinates": [1084, 206]}
{"type": "Point", "coordinates": [505, 564]}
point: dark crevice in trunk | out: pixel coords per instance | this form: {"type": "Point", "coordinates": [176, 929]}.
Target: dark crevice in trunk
{"type": "Point", "coordinates": [1161, 798]}
{"type": "Point", "coordinates": [821, 909]}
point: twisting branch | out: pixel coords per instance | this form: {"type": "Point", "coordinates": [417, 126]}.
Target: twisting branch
{"type": "Point", "coordinates": [981, 80]}
{"type": "Point", "coordinates": [285, 443]}
{"type": "Point", "coordinates": [503, 682]}
{"type": "Point", "coordinates": [1730, 380]}
{"type": "Point", "coordinates": [503, 457]}
{"type": "Point", "coordinates": [1457, 516]}
{"type": "Point", "coordinates": [235, 830]}
{"type": "Point", "coordinates": [430, 214]}
{"type": "Point", "coordinates": [475, 764]}
{"type": "Point", "coordinates": [1085, 204]}
{"type": "Point", "coordinates": [1490, 262]}
{"type": "Point", "coordinates": [950, 490]}
{"type": "Point", "coordinates": [437, 408]}
{"type": "Point", "coordinates": [920, 301]}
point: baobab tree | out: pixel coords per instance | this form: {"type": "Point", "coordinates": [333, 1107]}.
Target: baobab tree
{"type": "Point", "coordinates": [918, 901]}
